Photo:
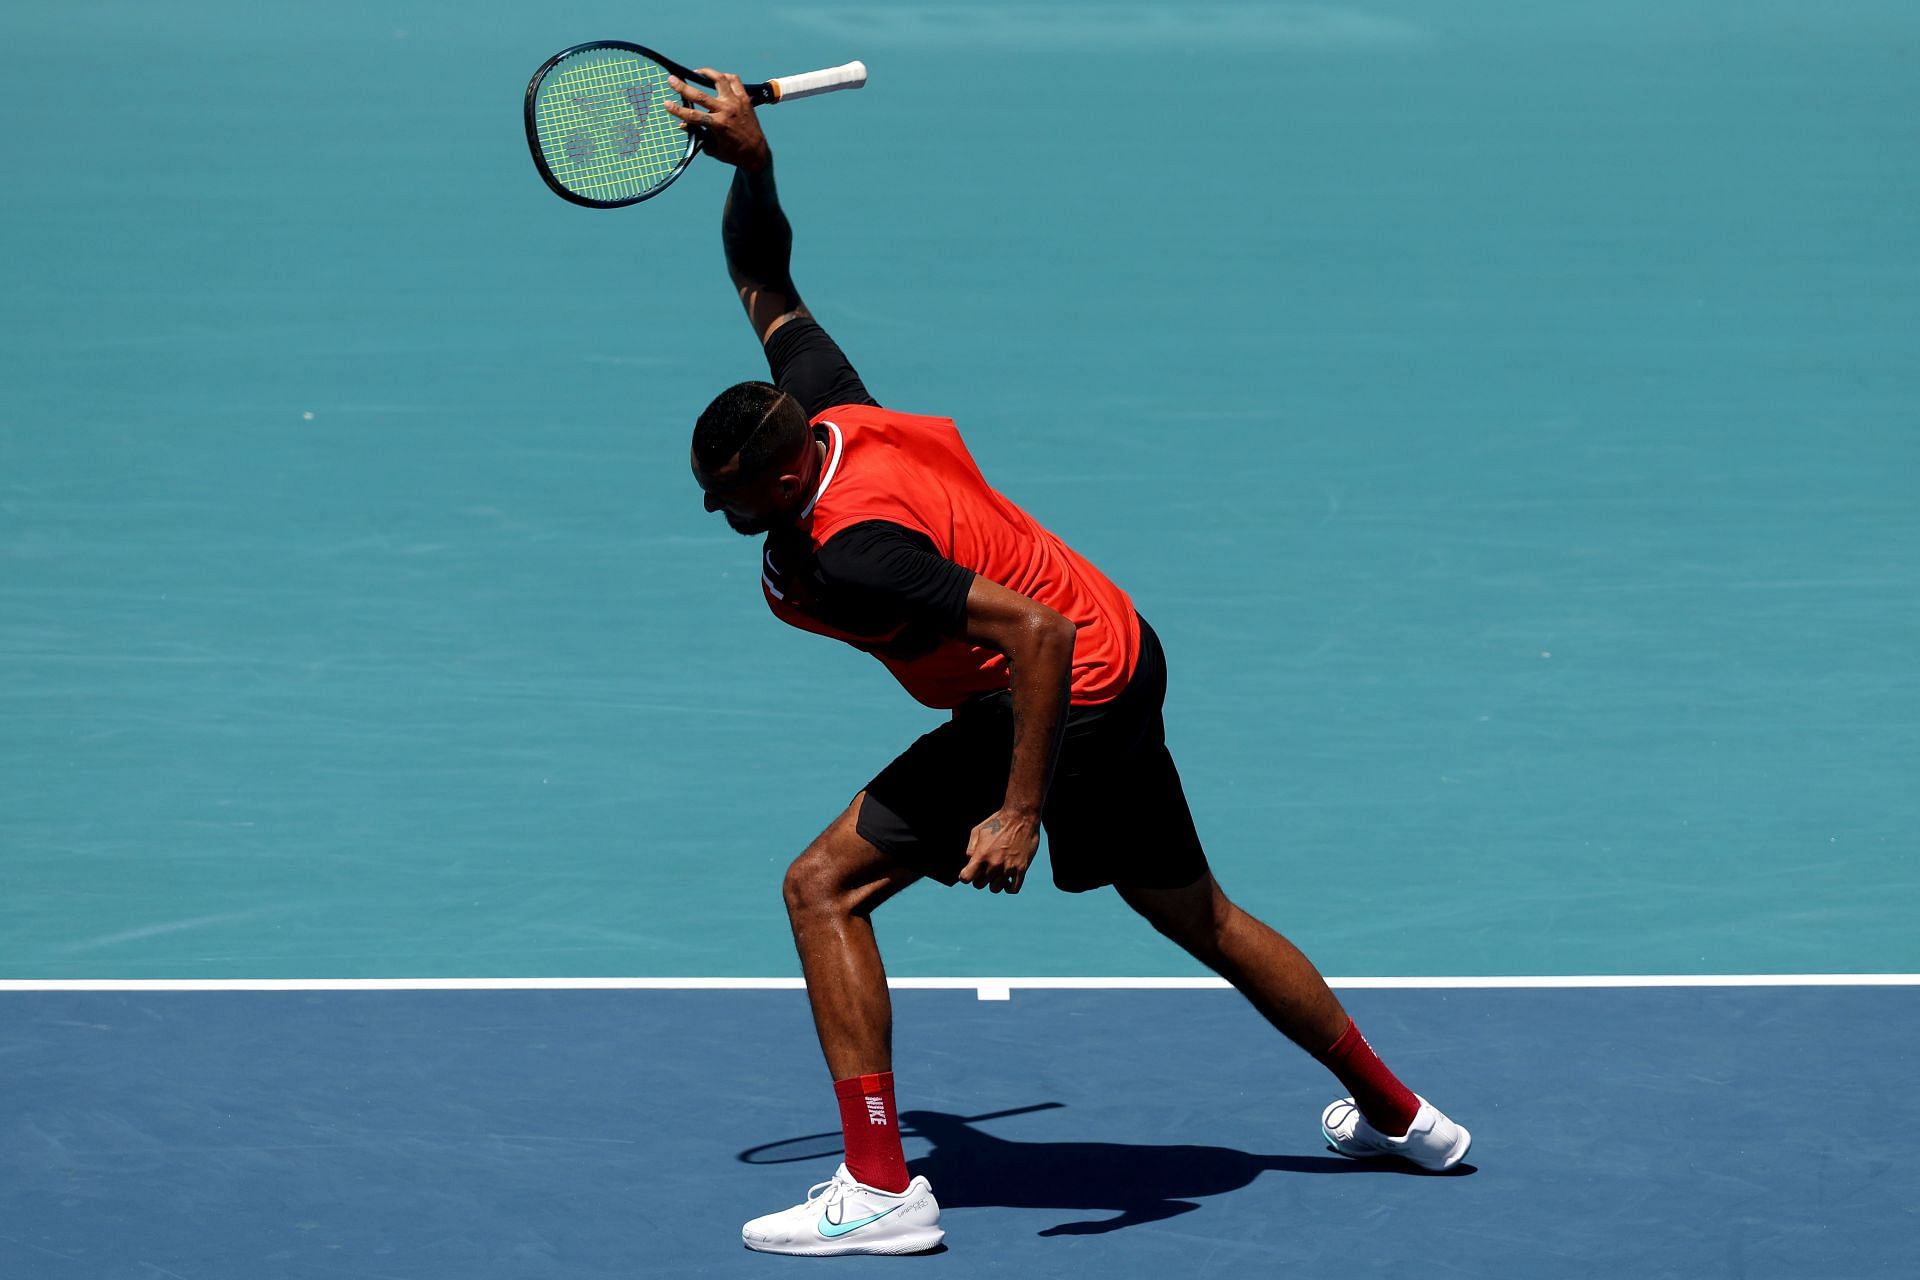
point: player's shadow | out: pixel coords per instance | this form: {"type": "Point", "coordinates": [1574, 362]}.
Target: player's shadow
{"type": "Point", "coordinates": [1136, 1182]}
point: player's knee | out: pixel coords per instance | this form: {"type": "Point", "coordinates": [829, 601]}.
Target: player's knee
{"type": "Point", "coordinates": [1196, 918]}
{"type": "Point", "coordinates": [1198, 932]}
{"type": "Point", "coordinates": [814, 882]}
{"type": "Point", "coordinates": [803, 885]}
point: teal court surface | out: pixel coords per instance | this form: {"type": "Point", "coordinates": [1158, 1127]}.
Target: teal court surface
{"type": "Point", "coordinates": [1506, 415]}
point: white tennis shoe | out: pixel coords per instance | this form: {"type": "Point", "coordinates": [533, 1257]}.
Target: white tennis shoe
{"type": "Point", "coordinates": [1433, 1142]}
{"type": "Point", "coordinates": [843, 1216]}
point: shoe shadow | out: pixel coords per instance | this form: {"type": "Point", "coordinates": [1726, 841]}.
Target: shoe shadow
{"type": "Point", "coordinates": [1136, 1183]}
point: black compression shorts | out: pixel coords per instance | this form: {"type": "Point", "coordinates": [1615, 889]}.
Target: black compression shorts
{"type": "Point", "coordinates": [1115, 814]}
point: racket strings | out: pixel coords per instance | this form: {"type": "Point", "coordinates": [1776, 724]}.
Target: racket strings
{"type": "Point", "coordinates": [603, 129]}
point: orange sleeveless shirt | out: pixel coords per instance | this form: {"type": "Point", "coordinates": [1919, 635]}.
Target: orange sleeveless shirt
{"type": "Point", "coordinates": [916, 472]}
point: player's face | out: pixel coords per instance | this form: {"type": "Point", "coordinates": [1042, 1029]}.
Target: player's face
{"type": "Point", "coordinates": [753, 505]}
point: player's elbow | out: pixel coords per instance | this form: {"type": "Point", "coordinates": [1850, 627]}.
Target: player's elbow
{"type": "Point", "coordinates": [1015, 624]}
{"type": "Point", "coordinates": [1049, 631]}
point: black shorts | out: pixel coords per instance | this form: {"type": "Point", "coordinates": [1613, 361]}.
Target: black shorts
{"type": "Point", "coordinates": [1114, 815]}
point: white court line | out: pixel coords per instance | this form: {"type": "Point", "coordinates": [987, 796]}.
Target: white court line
{"type": "Point", "coordinates": [987, 988]}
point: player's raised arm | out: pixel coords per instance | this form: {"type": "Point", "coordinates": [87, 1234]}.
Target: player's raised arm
{"type": "Point", "coordinates": [758, 238]}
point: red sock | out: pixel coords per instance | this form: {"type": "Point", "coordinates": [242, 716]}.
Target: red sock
{"type": "Point", "coordinates": [872, 1131]}
{"type": "Point", "coordinates": [1388, 1105]}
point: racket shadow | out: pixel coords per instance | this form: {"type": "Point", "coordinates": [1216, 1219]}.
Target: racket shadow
{"type": "Point", "coordinates": [1134, 1183]}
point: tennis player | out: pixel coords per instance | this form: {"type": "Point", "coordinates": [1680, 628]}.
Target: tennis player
{"type": "Point", "coordinates": [880, 531]}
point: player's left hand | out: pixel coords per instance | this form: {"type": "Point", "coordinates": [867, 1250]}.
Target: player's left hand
{"type": "Point", "coordinates": [1000, 851]}
{"type": "Point", "coordinates": [724, 119]}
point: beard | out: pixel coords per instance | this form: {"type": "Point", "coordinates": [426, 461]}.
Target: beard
{"type": "Point", "coordinates": [748, 528]}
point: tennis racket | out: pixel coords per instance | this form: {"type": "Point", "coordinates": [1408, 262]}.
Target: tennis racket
{"type": "Point", "coordinates": [599, 134]}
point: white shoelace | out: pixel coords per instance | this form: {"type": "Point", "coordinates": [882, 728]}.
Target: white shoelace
{"type": "Point", "coordinates": [833, 1190]}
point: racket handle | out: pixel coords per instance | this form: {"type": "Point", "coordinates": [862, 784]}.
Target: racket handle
{"type": "Point", "coordinates": [808, 83]}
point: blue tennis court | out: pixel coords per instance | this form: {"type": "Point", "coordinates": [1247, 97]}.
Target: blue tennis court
{"type": "Point", "coordinates": [1661, 1133]}
{"type": "Point", "coordinates": [1657, 1132]}
{"type": "Point", "coordinates": [1506, 415]}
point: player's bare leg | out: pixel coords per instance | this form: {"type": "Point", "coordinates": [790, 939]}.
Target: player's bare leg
{"type": "Point", "coordinates": [831, 890]}
{"type": "Point", "coordinates": [1383, 1117]}
{"type": "Point", "coordinates": [869, 1205]}
{"type": "Point", "coordinates": [1262, 965]}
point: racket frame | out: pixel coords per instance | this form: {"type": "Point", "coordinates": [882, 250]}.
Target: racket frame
{"type": "Point", "coordinates": [758, 94]}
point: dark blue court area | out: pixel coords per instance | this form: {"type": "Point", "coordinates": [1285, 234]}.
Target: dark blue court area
{"type": "Point", "coordinates": [526, 1134]}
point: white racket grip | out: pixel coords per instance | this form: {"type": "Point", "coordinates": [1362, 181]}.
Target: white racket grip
{"type": "Point", "coordinates": [808, 83]}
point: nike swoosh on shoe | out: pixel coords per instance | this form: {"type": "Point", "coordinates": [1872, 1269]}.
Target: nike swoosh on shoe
{"type": "Point", "coordinates": [830, 1231]}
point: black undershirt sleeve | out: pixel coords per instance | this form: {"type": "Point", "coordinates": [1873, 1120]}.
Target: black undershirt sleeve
{"type": "Point", "coordinates": [809, 365]}
{"type": "Point", "coordinates": [894, 575]}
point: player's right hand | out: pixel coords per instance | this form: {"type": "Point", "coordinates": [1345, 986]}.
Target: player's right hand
{"type": "Point", "coordinates": [1000, 850]}
{"type": "Point", "coordinates": [728, 128]}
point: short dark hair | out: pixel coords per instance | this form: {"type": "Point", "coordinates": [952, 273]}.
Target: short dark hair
{"type": "Point", "coordinates": [756, 420]}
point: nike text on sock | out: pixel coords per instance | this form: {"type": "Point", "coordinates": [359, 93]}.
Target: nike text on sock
{"type": "Point", "coordinates": [1388, 1105]}
{"type": "Point", "coordinates": [869, 1125]}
